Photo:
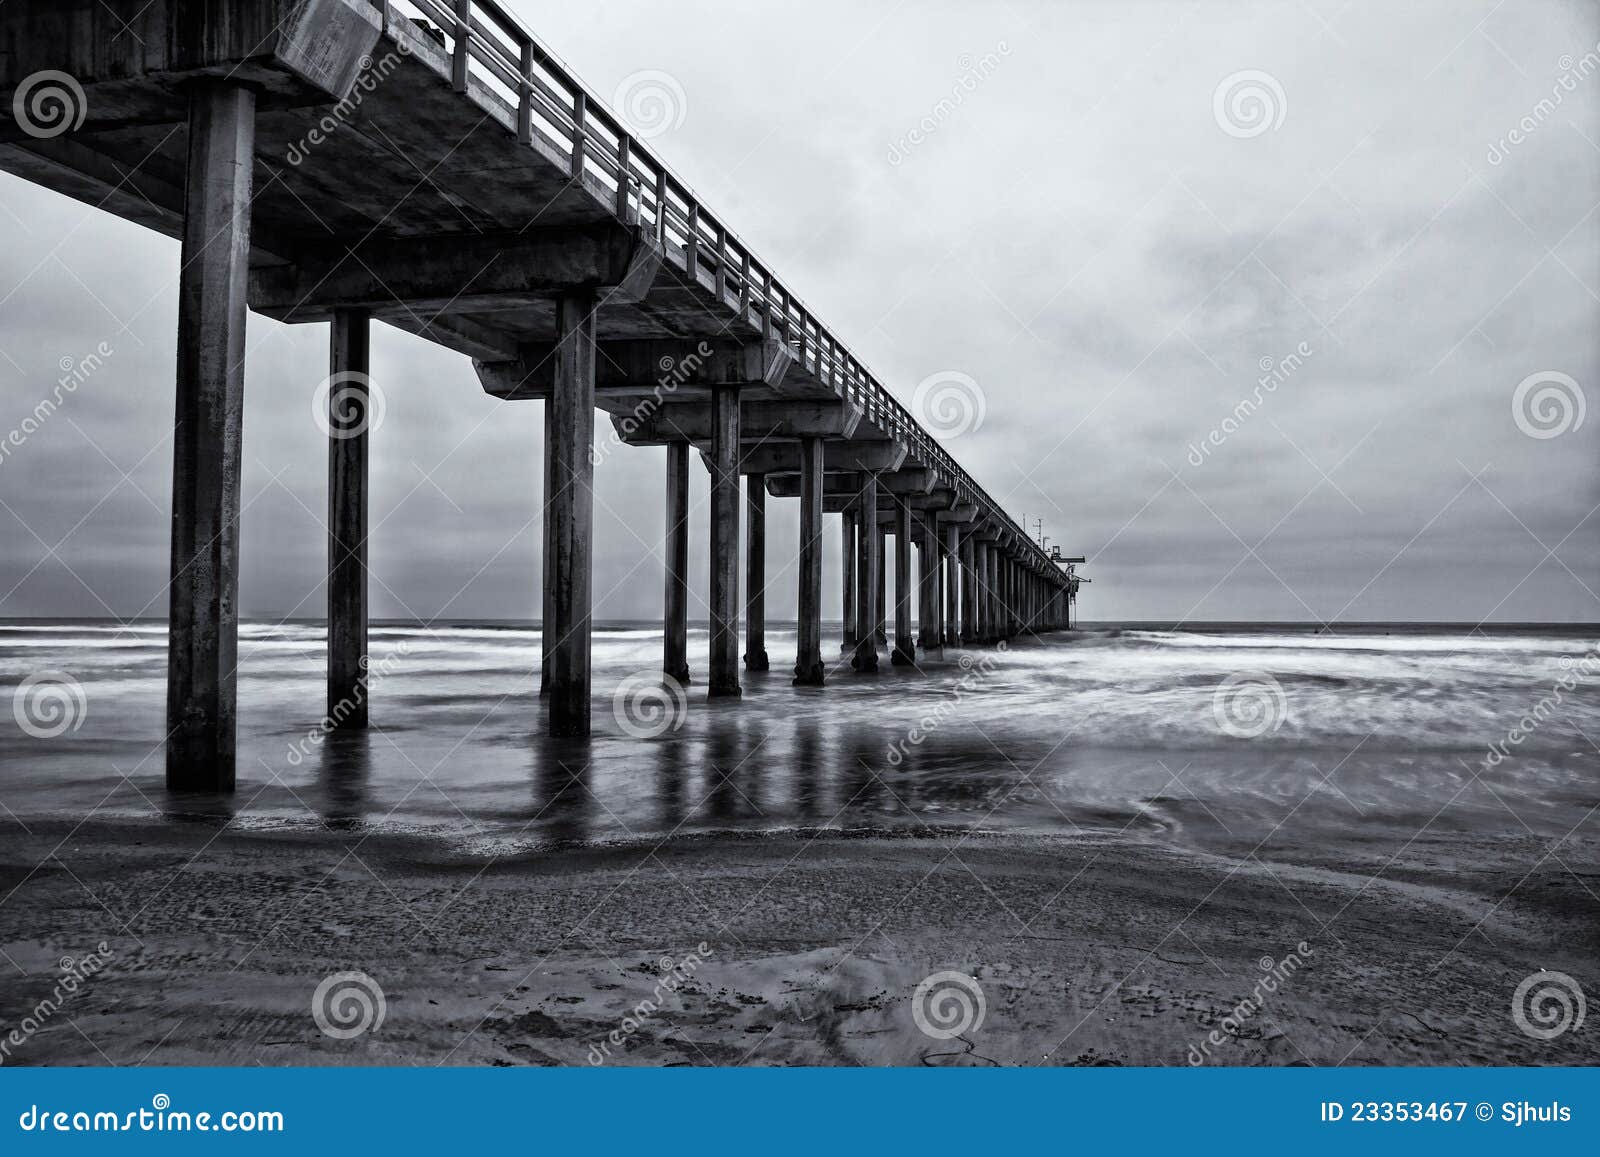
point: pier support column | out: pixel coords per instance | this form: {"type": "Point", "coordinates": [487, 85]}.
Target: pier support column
{"type": "Point", "coordinates": [755, 574]}
{"type": "Point", "coordinates": [349, 369]}
{"type": "Point", "coordinates": [880, 634]}
{"type": "Point", "coordinates": [547, 585]}
{"type": "Point", "coordinates": [675, 601]}
{"type": "Point", "coordinates": [848, 520]}
{"type": "Point", "coordinates": [991, 584]}
{"type": "Point", "coordinates": [969, 591]}
{"type": "Point", "coordinates": [930, 630]}
{"type": "Point", "coordinates": [569, 514]}
{"type": "Point", "coordinates": [867, 585]}
{"type": "Point", "coordinates": [724, 678]}
{"type": "Point", "coordinates": [808, 671]}
{"type": "Point", "coordinates": [905, 647]}
{"type": "Point", "coordinates": [203, 612]}
{"type": "Point", "coordinates": [952, 586]}
{"type": "Point", "coordinates": [977, 578]}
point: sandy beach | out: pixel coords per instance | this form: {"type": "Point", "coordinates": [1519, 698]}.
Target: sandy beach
{"type": "Point", "coordinates": [806, 950]}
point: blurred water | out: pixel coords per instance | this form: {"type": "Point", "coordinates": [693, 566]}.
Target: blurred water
{"type": "Point", "coordinates": [1362, 733]}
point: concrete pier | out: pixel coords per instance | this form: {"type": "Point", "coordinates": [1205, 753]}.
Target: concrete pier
{"type": "Point", "coordinates": [930, 630]}
{"type": "Point", "coordinates": [952, 586]}
{"type": "Point", "coordinates": [905, 647]}
{"type": "Point", "coordinates": [867, 588]}
{"type": "Point", "coordinates": [675, 601]}
{"type": "Point", "coordinates": [623, 293]}
{"type": "Point", "coordinates": [349, 419]}
{"type": "Point", "coordinates": [570, 515]}
{"type": "Point", "coordinates": [880, 592]}
{"type": "Point", "coordinates": [755, 574]}
{"type": "Point", "coordinates": [203, 612]}
{"type": "Point", "coordinates": [546, 553]}
{"type": "Point", "coordinates": [723, 680]}
{"type": "Point", "coordinates": [808, 669]}
{"type": "Point", "coordinates": [849, 552]}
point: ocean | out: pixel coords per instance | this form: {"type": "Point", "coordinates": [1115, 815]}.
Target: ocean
{"type": "Point", "coordinates": [1233, 739]}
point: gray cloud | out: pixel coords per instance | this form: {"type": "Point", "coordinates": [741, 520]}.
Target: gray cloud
{"type": "Point", "coordinates": [1079, 235]}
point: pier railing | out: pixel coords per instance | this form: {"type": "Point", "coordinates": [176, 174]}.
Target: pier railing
{"type": "Point", "coordinates": [490, 47]}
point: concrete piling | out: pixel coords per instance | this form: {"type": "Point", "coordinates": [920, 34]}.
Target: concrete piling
{"type": "Point", "coordinates": [203, 612]}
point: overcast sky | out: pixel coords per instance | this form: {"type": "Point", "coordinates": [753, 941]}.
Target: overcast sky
{"type": "Point", "coordinates": [1104, 247]}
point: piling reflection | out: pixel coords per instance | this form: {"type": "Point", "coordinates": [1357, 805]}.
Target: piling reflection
{"type": "Point", "coordinates": [344, 779]}
{"type": "Point", "coordinates": [563, 803]}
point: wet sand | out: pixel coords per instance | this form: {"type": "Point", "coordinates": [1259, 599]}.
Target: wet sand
{"type": "Point", "coordinates": [1088, 950]}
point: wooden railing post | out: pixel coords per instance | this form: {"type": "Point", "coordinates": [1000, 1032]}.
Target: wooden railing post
{"type": "Point", "coordinates": [525, 94]}
{"type": "Point", "coordinates": [624, 176]}
{"type": "Point", "coordinates": [691, 252]}
{"type": "Point", "coordinates": [462, 47]}
{"type": "Point", "coordinates": [722, 263]}
{"type": "Point", "coordinates": [580, 133]}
